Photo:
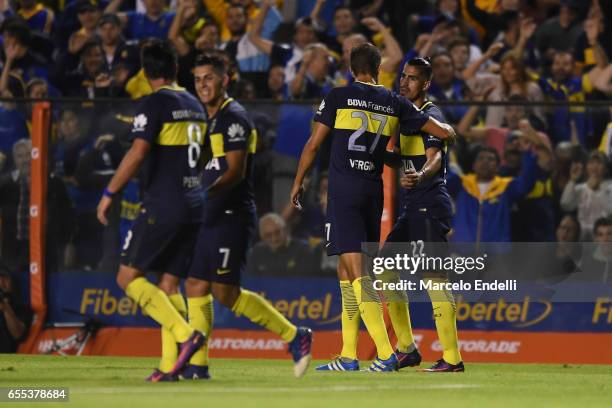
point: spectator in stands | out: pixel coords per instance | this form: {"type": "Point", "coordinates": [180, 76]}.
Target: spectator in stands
{"type": "Point", "coordinates": [88, 15]}
{"type": "Point", "coordinates": [15, 318]}
{"type": "Point", "coordinates": [91, 79]}
{"type": "Point", "coordinates": [495, 136]}
{"type": "Point", "coordinates": [562, 85]}
{"type": "Point", "coordinates": [278, 254]}
{"type": "Point", "coordinates": [207, 39]}
{"type": "Point", "coordinates": [343, 76]}
{"type": "Point", "coordinates": [391, 51]}
{"type": "Point", "coordinates": [513, 80]}
{"type": "Point", "coordinates": [445, 86]}
{"type": "Point", "coordinates": [36, 15]}
{"type": "Point", "coordinates": [488, 21]}
{"type": "Point", "coordinates": [516, 37]}
{"type": "Point", "coordinates": [312, 80]}
{"type": "Point", "coordinates": [188, 28]}
{"type": "Point", "coordinates": [277, 88]}
{"type": "Point", "coordinates": [569, 229]}
{"type": "Point", "coordinates": [596, 265]}
{"type": "Point", "coordinates": [15, 210]}
{"type": "Point", "coordinates": [288, 55]}
{"type": "Point", "coordinates": [219, 9]}
{"type": "Point", "coordinates": [344, 24]}
{"type": "Point", "coordinates": [560, 32]}
{"type": "Point", "coordinates": [591, 199]}
{"type": "Point", "coordinates": [187, 22]}
{"type": "Point", "coordinates": [121, 58]}
{"type": "Point", "coordinates": [585, 47]}
{"type": "Point", "coordinates": [21, 60]}
{"type": "Point", "coordinates": [13, 120]}
{"type": "Point", "coordinates": [484, 199]}
{"type": "Point", "coordinates": [251, 61]}
{"type": "Point", "coordinates": [154, 22]}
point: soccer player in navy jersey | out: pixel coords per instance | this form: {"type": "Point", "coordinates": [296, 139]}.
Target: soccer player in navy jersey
{"type": "Point", "coordinates": [228, 224]}
{"type": "Point", "coordinates": [425, 216]}
{"type": "Point", "coordinates": [168, 134]}
{"type": "Point", "coordinates": [360, 119]}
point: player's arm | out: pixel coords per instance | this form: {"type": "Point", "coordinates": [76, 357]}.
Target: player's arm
{"type": "Point", "coordinates": [392, 157]}
{"type": "Point", "coordinates": [432, 166]}
{"type": "Point", "coordinates": [440, 130]}
{"type": "Point", "coordinates": [309, 153]}
{"type": "Point", "coordinates": [236, 170]}
{"type": "Point", "coordinates": [127, 169]}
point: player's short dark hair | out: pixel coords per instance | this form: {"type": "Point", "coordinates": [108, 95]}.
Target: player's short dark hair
{"type": "Point", "coordinates": [423, 65]}
{"type": "Point", "coordinates": [602, 222]}
{"type": "Point", "coordinates": [365, 59]}
{"type": "Point", "coordinates": [159, 60]}
{"type": "Point", "coordinates": [218, 63]}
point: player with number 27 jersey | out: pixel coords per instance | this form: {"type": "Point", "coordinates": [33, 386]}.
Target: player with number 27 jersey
{"type": "Point", "coordinates": [362, 117]}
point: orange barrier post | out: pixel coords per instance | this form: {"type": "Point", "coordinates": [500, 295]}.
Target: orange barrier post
{"type": "Point", "coordinates": [41, 121]}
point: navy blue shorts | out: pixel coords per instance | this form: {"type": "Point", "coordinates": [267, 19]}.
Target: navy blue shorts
{"type": "Point", "coordinates": [419, 226]}
{"type": "Point", "coordinates": [161, 246]}
{"type": "Point", "coordinates": [221, 249]}
{"type": "Point", "coordinates": [351, 221]}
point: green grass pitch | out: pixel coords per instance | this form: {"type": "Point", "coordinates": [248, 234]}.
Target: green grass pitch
{"type": "Point", "coordinates": [108, 382]}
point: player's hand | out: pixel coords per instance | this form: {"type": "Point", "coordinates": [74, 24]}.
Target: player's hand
{"type": "Point", "coordinates": [296, 196]}
{"type": "Point", "coordinates": [411, 179]}
{"type": "Point", "coordinates": [103, 207]}
{"type": "Point", "coordinates": [576, 170]}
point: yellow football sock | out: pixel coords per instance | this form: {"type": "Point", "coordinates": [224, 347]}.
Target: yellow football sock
{"type": "Point", "coordinates": [445, 316]}
{"type": "Point", "coordinates": [201, 318]}
{"type": "Point", "coordinates": [400, 319]}
{"type": "Point", "coordinates": [260, 312]}
{"type": "Point", "coordinates": [169, 346]}
{"type": "Point", "coordinates": [371, 313]}
{"type": "Point", "coordinates": [350, 321]}
{"type": "Point", "coordinates": [156, 304]}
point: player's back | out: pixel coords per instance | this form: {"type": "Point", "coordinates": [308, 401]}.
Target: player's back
{"type": "Point", "coordinates": [362, 118]}
{"type": "Point", "coordinates": [174, 123]}
{"type": "Point", "coordinates": [430, 193]}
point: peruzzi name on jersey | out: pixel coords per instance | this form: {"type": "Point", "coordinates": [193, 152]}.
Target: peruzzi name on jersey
{"type": "Point", "coordinates": [174, 123]}
{"type": "Point", "coordinates": [230, 129]}
{"type": "Point", "coordinates": [362, 118]}
{"type": "Point", "coordinates": [430, 193]}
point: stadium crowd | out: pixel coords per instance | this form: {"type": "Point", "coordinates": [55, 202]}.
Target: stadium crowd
{"type": "Point", "coordinates": [517, 52]}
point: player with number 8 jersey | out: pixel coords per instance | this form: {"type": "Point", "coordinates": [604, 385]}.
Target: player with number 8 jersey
{"type": "Point", "coordinates": [168, 135]}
